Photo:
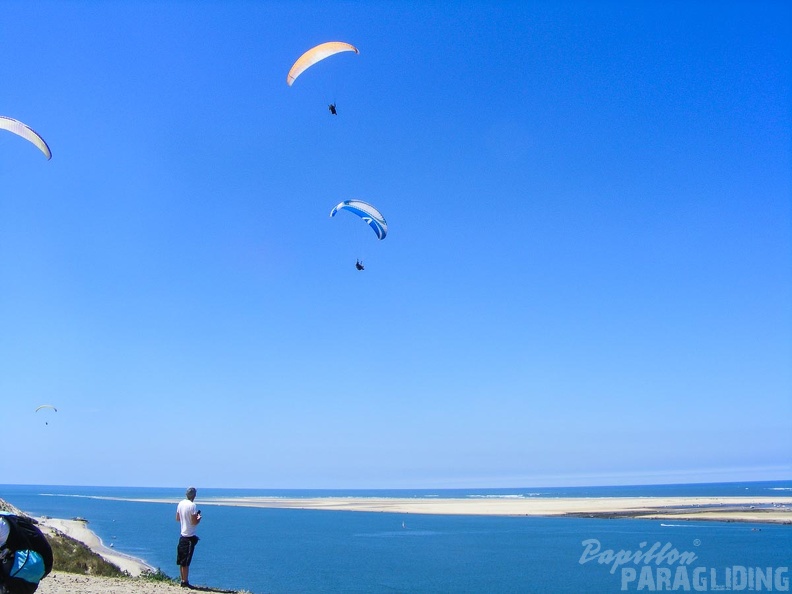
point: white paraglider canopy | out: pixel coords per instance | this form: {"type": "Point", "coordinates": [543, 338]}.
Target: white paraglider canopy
{"type": "Point", "coordinates": [317, 54]}
{"type": "Point", "coordinates": [26, 132]}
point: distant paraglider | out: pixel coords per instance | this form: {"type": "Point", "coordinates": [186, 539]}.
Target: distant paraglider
{"type": "Point", "coordinates": [317, 54]}
{"type": "Point", "coordinates": [368, 213]}
{"type": "Point", "coordinates": [370, 216]}
{"type": "Point", "coordinates": [26, 132]}
{"type": "Point", "coordinates": [46, 406]}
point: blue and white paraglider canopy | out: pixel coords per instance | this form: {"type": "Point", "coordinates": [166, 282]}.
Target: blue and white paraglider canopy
{"type": "Point", "coordinates": [368, 213]}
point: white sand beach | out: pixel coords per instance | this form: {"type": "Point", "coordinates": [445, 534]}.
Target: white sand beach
{"type": "Point", "coordinates": [729, 509]}
{"type": "Point", "coordinates": [78, 530]}
{"type": "Point", "coordinates": [746, 509]}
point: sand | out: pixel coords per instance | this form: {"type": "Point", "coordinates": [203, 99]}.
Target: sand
{"type": "Point", "coordinates": [70, 583]}
{"type": "Point", "coordinates": [730, 509]}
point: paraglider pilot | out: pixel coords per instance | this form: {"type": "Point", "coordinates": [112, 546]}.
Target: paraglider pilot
{"type": "Point", "coordinates": [359, 265]}
{"type": "Point", "coordinates": [332, 108]}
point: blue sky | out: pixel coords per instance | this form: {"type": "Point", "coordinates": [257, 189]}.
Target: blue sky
{"type": "Point", "coordinates": [587, 278]}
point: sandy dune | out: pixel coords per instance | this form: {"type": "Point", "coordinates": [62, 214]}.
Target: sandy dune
{"type": "Point", "coordinates": [69, 583]}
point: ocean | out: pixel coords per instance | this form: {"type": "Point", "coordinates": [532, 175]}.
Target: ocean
{"type": "Point", "coordinates": [312, 551]}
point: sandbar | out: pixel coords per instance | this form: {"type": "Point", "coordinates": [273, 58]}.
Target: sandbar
{"type": "Point", "coordinates": [730, 509]}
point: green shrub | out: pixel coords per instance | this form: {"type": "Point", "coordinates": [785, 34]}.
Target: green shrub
{"type": "Point", "coordinates": [72, 556]}
{"type": "Point", "coordinates": [156, 576]}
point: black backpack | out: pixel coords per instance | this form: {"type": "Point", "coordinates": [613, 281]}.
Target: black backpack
{"type": "Point", "coordinates": [23, 536]}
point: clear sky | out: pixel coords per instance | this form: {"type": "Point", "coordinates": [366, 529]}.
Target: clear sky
{"type": "Point", "coordinates": [587, 278]}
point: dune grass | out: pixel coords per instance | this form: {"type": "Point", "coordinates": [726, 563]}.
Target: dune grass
{"type": "Point", "coordinates": [72, 556]}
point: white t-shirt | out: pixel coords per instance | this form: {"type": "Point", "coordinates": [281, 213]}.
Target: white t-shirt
{"type": "Point", "coordinates": [186, 510]}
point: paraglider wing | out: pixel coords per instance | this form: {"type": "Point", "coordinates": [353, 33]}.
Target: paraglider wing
{"type": "Point", "coordinates": [25, 132]}
{"type": "Point", "coordinates": [46, 406]}
{"type": "Point", "coordinates": [368, 213]}
{"type": "Point", "coordinates": [316, 54]}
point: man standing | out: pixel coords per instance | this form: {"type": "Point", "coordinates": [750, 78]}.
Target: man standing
{"type": "Point", "coordinates": [190, 516]}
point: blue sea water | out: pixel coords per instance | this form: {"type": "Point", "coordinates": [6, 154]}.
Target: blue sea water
{"type": "Point", "coordinates": [296, 551]}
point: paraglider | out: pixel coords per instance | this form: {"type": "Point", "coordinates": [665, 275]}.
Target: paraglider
{"type": "Point", "coordinates": [26, 132]}
{"type": "Point", "coordinates": [370, 216]}
{"type": "Point", "coordinates": [317, 54]}
{"type": "Point", "coordinates": [365, 211]}
{"type": "Point", "coordinates": [46, 406]}
{"type": "Point", "coordinates": [332, 108]}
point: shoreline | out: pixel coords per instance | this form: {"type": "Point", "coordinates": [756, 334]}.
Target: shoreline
{"type": "Point", "coordinates": [78, 530]}
{"type": "Point", "coordinates": [773, 510]}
